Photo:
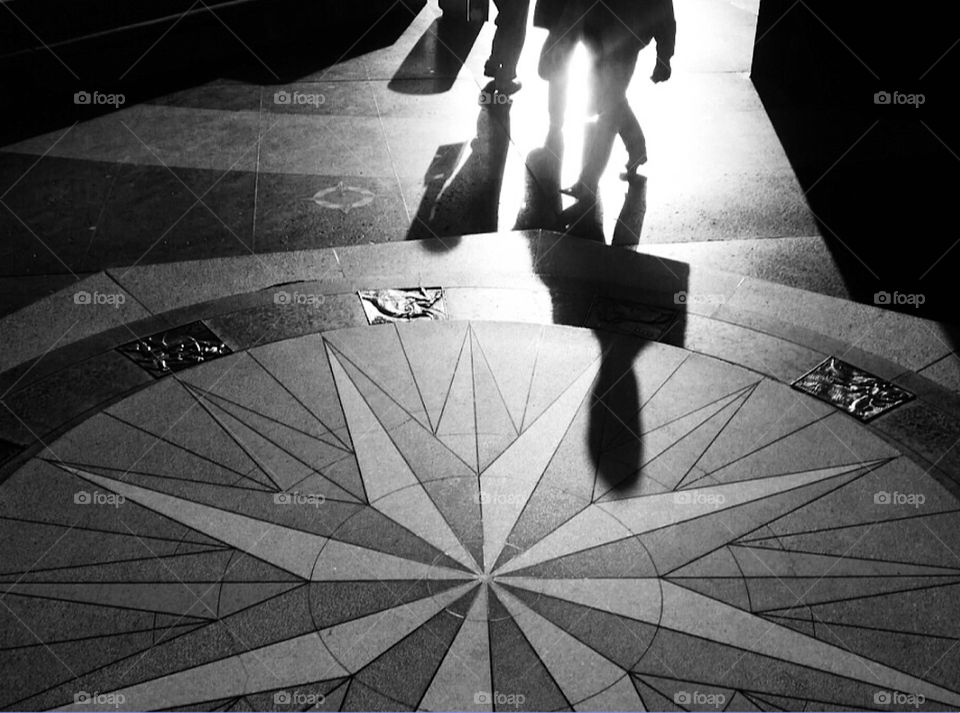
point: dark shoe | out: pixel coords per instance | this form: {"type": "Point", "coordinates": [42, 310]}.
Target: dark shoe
{"type": "Point", "coordinates": [491, 68]}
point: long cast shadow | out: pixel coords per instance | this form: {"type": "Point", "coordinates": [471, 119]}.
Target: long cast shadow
{"type": "Point", "coordinates": [462, 195]}
{"type": "Point", "coordinates": [615, 434]}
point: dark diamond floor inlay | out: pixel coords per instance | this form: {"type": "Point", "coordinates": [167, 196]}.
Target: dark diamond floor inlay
{"type": "Point", "coordinates": [176, 349]}
{"type": "Point", "coordinates": [853, 390]}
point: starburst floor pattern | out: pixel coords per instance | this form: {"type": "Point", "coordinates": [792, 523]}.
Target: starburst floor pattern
{"type": "Point", "coordinates": [472, 516]}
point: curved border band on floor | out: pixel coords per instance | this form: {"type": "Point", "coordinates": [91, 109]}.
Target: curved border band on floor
{"type": "Point", "coordinates": [59, 363]}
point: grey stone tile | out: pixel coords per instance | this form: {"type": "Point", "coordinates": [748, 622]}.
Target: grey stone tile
{"type": "Point", "coordinates": [773, 357]}
{"type": "Point", "coordinates": [82, 310]}
{"type": "Point", "coordinates": [256, 326]}
{"type": "Point", "coordinates": [356, 210]}
{"type": "Point", "coordinates": [56, 400]}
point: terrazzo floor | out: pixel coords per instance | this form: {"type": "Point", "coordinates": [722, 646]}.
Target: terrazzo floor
{"type": "Point", "coordinates": [476, 516]}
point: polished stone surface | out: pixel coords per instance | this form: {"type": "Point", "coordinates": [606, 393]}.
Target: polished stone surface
{"type": "Point", "coordinates": [228, 169]}
{"type": "Point", "coordinates": [476, 516]}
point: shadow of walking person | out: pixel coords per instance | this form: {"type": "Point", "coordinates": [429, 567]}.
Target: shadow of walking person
{"type": "Point", "coordinates": [543, 205]}
{"type": "Point", "coordinates": [615, 440]}
{"type": "Point", "coordinates": [623, 329]}
{"type": "Point", "coordinates": [462, 193]}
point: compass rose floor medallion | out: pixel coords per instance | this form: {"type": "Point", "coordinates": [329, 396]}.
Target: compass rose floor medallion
{"type": "Point", "coordinates": [475, 516]}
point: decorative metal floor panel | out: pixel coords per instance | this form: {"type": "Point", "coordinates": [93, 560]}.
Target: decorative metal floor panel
{"type": "Point", "coordinates": [175, 349]}
{"type": "Point", "coordinates": [853, 390]}
{"type": "Point", "coordinates": [406, 304]}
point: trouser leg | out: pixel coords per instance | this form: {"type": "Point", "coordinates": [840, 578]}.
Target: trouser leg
{"type": "Point", "coordinates": [612, 76]}
{"type": "Point", "coordinates": [510, 35]}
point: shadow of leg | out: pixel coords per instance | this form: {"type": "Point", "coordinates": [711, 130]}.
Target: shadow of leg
{"type": "Point", "coordinates": [629, 226]}
{"type": "Point", "coordinates": [584, 219]}
{"type": "Point", "coordinates": [614, 436]}
{"type": "Point", "coordinates": [542, 204]}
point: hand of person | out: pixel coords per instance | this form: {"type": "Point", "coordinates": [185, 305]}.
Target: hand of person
{"type": "Point", "coordinates": [662, 71]}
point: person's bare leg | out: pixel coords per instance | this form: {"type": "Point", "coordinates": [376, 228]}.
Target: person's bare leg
{"type": "Point", "coordinates": [612, 78]}
{"type": "Point", "coordinates": [599, 134]}
{"type": "Point", "coordinates": [632, 134]}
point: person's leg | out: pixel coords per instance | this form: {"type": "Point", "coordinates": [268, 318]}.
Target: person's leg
{"type": "Point", "coordinates": [600, 133]}
{"type": "Point", "coordinates": [615, 116]}
{"type": "Point", "coordinates": [633, 138]}
{"type": "Point", "coordinates": [630, 130]}
{"type": "Point", "coordinates": [554, 68]}
{"type": "Point", "coordinates": [509, 38]}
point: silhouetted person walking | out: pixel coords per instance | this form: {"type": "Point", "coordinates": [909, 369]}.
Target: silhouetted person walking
{"type": "Point", "coordinates": [507, 45]}
{"type": "Point", "coordinates": [615, 31]}
{"type": "Point", "coordinates": [562, 19]}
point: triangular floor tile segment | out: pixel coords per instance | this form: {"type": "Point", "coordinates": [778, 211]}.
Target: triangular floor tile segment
{"type": "Point", "coordinates": [770, 413]}
{"type": "Point", "coordinates": [378, 353]}
{"type": "Point", "coordinates": [238, 596]}
{"type": "Point", "coordinates": [732, 591]}
{"type": "Point", "coordinates": [697, 381]}
{"type": "Point", "coordinates": [170, 412]}
{"type": "Point", "coordinates": [510, 352]}
{"type": "Point", "coordinates": [457, 425]}
{"type": "Point", "coordinates": [301, 365]}
{"type": "Point", "coordinates": [55, 620]}
{"type": "Point", "coordinates": [564, 490]}
{"type": "Point", "coordinates": [828, 441]}
{"type": "Point", "coordinates": [252, 398]}
{"type": "Point", "coordinates": [518, 670]}
{"type": "Point", "coordinates": [65, 546]}
{"type": "Point", "coordinates": [465, 671]}
{"type": "Point", "coordinates": [294, 460]}
{"type": "Point", "coordinates": [62, 506]}
{"type": "Point", "coordinates": [496, 429]}
{"type": "Point", "coordinates": [389, 483]}
{"type": "Point", "coordinates": [690, 695]}
{"type": "Point", "coordinates": [250, 384]}
{"type": "Point", "coordinates": [653, 699]}
{"type": "Point", "coordinates": [864, 501]}
{"type": "Point", "coordinates": [163, 431]}
{"type": "Point", "coordinates": [433, 351]}
{"type": "Point", "coordinates": [779, 562]}
{"type": "Point", "coordinates": [563, 354]}
{"type": "Point", "coordinates": [764, 500]}
{"type": "Point", "coordinates": [932, 539]}
{"type": "Point", "coordinates": [323, 696]}
{"type": "Point", "coordinates": [740, 702]}
{"type": "Point", "coordinates": [334, 603]}
{"type": "Point", "coordinates": [580, 671]}
{"type": "Point", "coordinates": [405, 671]}
{"type": "Point", "coordinates": [621, 696]}
{"type": "Point", "coordinates": [670, 452]}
